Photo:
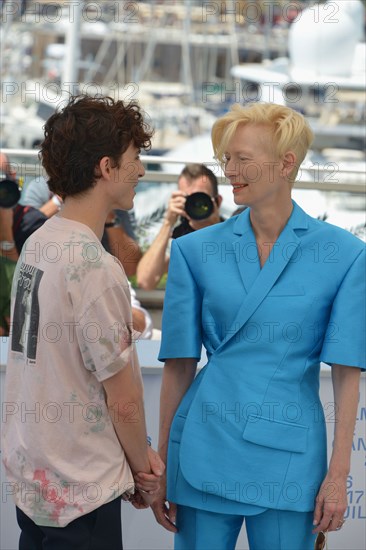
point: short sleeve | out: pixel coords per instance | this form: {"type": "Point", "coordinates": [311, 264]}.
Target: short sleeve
{"type": "Point", "coordinates": [344, 341]}
{"type": "Point", "coordinates": [105, 333]}
{"type": "Point", "coordinates": [181, 324]}
{"type": "Point", "coordinates": [148, 330]}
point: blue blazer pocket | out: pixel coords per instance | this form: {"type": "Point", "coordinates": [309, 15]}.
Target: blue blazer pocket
{"type": "Point", "coordinates": [286, 290]}
{"type": "Point", "coordinates": [285, 436]}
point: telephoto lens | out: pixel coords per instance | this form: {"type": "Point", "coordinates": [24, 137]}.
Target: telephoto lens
{"type": "Point", "coordinates": [199, 206]}
{"type": "Point", "coordinates": [9, 192]}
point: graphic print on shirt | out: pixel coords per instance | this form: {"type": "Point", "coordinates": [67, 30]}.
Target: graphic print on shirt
{"type": "Point", "coordinates": [26, 312]}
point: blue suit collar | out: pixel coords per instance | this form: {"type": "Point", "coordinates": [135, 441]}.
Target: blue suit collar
{"type": "Point", "coordinates": [258, 282]}
{"type": "Point", "coordinates": [297, 220]}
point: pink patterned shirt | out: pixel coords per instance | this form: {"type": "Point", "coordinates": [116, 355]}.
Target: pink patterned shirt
{"type": "Point", "coordinates": [71, 330]}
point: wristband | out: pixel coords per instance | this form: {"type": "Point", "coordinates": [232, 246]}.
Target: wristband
{"type": "Point", "coordinates": [56, 201]}
{"type": "Point", "coordinates": [7, 245]}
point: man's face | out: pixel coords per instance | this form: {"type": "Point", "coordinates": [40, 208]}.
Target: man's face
{"type": "Point", "coordinates": [6, 169]}
{"type": "Point", "coordinates": [201, 184]}
{"type": "Point", "coordinates": [126, 177]}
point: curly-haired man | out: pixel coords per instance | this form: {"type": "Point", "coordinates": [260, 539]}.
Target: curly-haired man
{"type": "Point", "coordinates": [75, 434]}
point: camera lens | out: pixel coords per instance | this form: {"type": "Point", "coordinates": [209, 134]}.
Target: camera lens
{"type": "Point", "coordinates": [9, 193]}
{"type": "Point", "coordinates": [199, 206]}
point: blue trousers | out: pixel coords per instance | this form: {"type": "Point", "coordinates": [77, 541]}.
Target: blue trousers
{"type": "Point", "coordinates": [269, 530]}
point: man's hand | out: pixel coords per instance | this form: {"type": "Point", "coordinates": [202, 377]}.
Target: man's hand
{"type": "Point", "coordinates": [148, 485]}
{"type": "Point", "coordinates": [175, 207]}
{"type": "Point", "coordinates": [138, 502]}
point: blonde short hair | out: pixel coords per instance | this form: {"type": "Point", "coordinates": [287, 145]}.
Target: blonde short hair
{"type": "Point", "coordinates": [290, 131]}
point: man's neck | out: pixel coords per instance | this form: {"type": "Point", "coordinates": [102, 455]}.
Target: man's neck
{"type": "Point", "coordinates": [86, 209]}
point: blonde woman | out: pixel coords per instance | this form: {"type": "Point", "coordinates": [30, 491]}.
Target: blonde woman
{"type": "Point", "coordinates": [270, 294]}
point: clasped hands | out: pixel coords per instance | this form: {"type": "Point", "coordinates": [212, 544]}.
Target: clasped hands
{"type": "Point", "coordinates": [148, 485]}
{"type": "Point", "coordinates": [151, 491]}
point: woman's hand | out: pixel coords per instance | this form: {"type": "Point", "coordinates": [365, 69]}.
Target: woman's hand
{"type": "Point", "coordinates": [331, 504]}
{"type": "Point", "coordinates": [165, 512]}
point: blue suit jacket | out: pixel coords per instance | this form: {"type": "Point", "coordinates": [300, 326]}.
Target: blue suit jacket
{"type": "Point", "coordinates": [251, 429]}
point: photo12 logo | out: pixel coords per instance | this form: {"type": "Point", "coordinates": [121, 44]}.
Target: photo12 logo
{"type": "Point", "coordinates": [291, 92]}
{"type": "Point", "coordinates": [250, 12]}
{"type": "Point", "coordinates": [70, 11]}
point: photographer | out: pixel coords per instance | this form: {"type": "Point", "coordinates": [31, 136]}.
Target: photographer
{"type": "Point", "coordinates": [36, 205]}
{"type": "Point", "coordinates": [194, 178]}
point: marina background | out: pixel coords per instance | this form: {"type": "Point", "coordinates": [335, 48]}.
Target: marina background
{"type": "Point", "coordinates": [186, 62]}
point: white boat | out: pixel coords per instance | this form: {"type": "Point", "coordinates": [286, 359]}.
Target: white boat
{"type": "Point", "coordinates": [324, 75]}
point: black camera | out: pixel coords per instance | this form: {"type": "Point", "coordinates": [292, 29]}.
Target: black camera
{"type": "Point", "coordinates": [199, 206]}
{"type": "Point", "coordinates": [9, 192]}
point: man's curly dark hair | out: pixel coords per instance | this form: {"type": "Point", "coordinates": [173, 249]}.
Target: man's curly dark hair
{"type": "Point", "coordinates": [82, 133]}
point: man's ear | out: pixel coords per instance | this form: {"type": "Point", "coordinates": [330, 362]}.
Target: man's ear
{"type": "Point", "coordinates": [218, 200]}
{"type": "Point", "coordinates": [103, 169]}
{"type": "Point", "coordinates": [288, 163]}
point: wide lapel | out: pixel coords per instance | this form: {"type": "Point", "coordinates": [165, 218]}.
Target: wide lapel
{"type": "Point", "coordinates": [246, 250]}
{"type": "Point", "coordinates": [284, 250]}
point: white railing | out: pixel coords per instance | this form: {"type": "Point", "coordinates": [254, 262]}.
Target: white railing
{"type": "Point", "coordinates": [322, 178]}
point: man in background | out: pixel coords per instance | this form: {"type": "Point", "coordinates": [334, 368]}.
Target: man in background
{"type": "Point", "coordinates": [193, 178]}
{"type": "Point", "coordinates": [8, 251]}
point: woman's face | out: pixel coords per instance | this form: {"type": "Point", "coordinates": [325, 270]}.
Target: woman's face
{"type": "Point", "coordinates": [258, 177]}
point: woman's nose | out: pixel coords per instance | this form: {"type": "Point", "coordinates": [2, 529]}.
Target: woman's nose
{"type": "Point", "coordinates": [229, 168]}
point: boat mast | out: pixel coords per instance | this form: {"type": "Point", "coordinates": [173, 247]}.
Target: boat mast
{"type": "Point", "coordinates": [70, 72]}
